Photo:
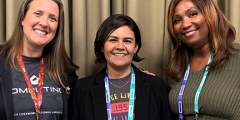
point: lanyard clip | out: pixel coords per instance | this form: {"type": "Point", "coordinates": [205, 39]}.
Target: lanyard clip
{"type": "Point", "coordinates": [38, 111]}
{"type": "Point", "coordinates": [67, 90]}
{"type": "Point", "coordinates": [196, 116]}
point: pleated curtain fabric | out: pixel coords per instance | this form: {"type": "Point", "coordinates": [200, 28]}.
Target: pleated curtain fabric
{"type": "Point", "coordinates": [83, 18]}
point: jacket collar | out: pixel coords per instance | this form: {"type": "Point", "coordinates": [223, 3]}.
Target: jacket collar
{"type": "Point", "coordinates": [142, 95]}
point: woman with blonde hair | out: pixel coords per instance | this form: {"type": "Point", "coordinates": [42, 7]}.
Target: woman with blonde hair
{"type": "Point", "coordinates": [35, 70]}
{"type": "Point", "coordinates": [205, 66]}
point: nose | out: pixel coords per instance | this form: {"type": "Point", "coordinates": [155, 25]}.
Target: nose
{"type": "Point", "coordinates": [186, 23]}
{"type": "Point", "coordinates": [43, 21]}
{"type": "Point", "coordinates": [120, 45]}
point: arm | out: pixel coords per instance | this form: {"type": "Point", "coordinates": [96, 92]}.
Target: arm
{"type": "Point", "coordinates": [166, 112]}
{"type": "Point", "coordinates": [74, 108]}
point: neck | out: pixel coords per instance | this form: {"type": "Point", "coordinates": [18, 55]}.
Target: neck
{"type": "Point", "coordinates": [31, 51]}
{"type": "Point", "coordinates": [200, 57]}
{"type": "Point", "coordinates": [202, 52]}
{"type": "Point", "coordinates": [116, 73]}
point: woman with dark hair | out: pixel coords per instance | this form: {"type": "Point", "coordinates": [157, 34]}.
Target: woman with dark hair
{"type": "Point", "coordinates": [35, 70]}
{"type": "Point", "coordinates": [120, 90]}
{"type": "Point", "coordinates": [205, 66]}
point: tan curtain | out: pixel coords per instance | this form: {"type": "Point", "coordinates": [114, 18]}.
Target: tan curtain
{"type": "Point", "coordinates": [83, 18]}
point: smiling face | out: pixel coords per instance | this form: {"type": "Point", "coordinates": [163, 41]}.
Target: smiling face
{"type": "Point", "coordinates": [189, 25]}
{"type": "Point", "coordinates": [40, 23]}
{"type": "Point", "coordinates": [120, 47]}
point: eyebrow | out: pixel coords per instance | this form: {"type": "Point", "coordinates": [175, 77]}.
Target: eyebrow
{"type": "Point", "coordinates": [113, 37]}
{"type": "Point", "coordinates": [51, 14]}
{"type": "Point", "coordinates": [185, 11]}
{"type": "Point", "coordinates": [117, 37]}
{"type": "Point", "coordinates": [128, 38]}
{"type": "Point", "coordinates": [190, 9]}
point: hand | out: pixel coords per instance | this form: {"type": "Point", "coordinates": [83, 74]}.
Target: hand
{"type": "Point", "coordinates": [147, 72]}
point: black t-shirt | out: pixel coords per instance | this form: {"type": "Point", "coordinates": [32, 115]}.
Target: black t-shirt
{"type": "Point", "coordinates": [52, 103]}
{"type": "Point", "coordinates": [119, 95]}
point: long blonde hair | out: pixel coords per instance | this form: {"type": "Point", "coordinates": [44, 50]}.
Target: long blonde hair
{"type": "Point", "coordinates": [58, 61]}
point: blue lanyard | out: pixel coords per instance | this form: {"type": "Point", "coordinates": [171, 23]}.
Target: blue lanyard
{"type": "Point", "coordinates": [180, 110]}
{"type": "Point", "coordinates": [131, 99]}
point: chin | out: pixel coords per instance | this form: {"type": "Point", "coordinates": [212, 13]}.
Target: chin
{"type": "Point", "coordinates": [122, 65]}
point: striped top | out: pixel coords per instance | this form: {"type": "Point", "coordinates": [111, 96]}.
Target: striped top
{"type": "Point", "coordinates": [220, 95]}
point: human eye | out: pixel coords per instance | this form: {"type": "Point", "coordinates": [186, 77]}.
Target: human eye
{"type": "Point", "coordinates": [192, 14]}
{"type": "Point", "coordinates": [38, 14]}
{"type": "Point", "coordinates": [112, 40]}
{"type": "Point", "coordinates": [128, 40]}
{"type": "Point", "coordinates": [176, 21]}
{"type": "Point", "coordinates": [53, 19]}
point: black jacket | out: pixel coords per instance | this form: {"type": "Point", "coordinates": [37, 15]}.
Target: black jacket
{"type": "Point", "coordinates": [6, 98]}
{"type": "Point", "coordinates": [88, 102]}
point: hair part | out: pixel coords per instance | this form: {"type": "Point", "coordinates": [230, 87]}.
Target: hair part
{"type": "Point", "coordinates": [221, 31]}
{"type": "Point", "coordinates": [107, 27]}
{"type": "Point", "coordinates": [58, 61]}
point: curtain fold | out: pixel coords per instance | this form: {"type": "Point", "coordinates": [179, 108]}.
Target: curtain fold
{"type": "Point", "coordinates": [87, 18]}
{"type": "Point", "coordinates": [117, 7]}
{"type": "Point", "coordinates": [150, 18]}
{"type": "Point", "coordinates": [12, 7]}
{"type": "Point", "coordinates": [2, 21]}
{"type": "Point", "coordinates": [66, 27]}
{"type": "Point", "coordinates": [234, 16]}
{"type": "Point", "coordinates": [84, 17]}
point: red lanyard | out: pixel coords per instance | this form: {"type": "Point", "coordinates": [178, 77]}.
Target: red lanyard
{"type": "Point", "coordinates": [36, 100]}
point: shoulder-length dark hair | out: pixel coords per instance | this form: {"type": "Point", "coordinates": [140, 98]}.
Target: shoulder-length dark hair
{"type": "Point", "coordinates": [58, 61]}
{"type": "Point", "coordinates": [221, 33]}
{"type": "Point", "coordinates": [108, 26]}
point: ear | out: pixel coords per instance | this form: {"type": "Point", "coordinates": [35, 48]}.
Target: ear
{"type": "Point", "coordinates": [22, 22]}
{"type": "Point", "coordinates": [136, 48]}
{"type": "Point", "coordinates": [102, 49]}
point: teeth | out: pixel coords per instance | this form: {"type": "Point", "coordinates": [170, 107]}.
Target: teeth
{"type": "Point", "coordinates": [119, 54]}
{"type": "Point", "coordinates": [189, 33]}
{"type": "Point", "coordinates": [40, 32]}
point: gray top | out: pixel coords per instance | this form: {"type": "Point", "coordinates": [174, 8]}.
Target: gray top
{"type": "Point", "coordinates": [119, 95]}
{"type": "Point", "coordinates": [220, 95]}
{"type": "Point", "coordinates": [52, 103]}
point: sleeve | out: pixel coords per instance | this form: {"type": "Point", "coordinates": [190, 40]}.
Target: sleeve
{"type": "Point", "coordinates": [73, 105]}
{"type": "Point", "coordinates": [166, 112]}
{"type": "Point", "coordinates": [72, 78]}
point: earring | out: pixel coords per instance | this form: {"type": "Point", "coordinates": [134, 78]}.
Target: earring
{"type": "Point", "coordinates": [180, 43]}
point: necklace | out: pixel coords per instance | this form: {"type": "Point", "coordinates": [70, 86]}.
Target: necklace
{"type": "Point", "coordinates": [131, 99]}
{"type": "Point", "coordinates": [122, 85]}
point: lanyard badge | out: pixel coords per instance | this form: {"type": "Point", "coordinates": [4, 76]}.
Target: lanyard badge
{"type": "Point", "coordinates": [180, 109]}
{"type": "Point", "coordinates": [37, 100]}
{"type": "Point", "coordinates": [131, 99]}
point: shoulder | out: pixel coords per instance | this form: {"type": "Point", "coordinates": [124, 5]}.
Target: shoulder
{"type": "Point", "coordinates": [235, 53]}
{"type": "Point", "coordinates": [153, 79]}
{"type": "Point", "coordinates": [3, 56]}
{"type": "Point", "coordinates": [87, 80]}
{"type": "Point", "coordinates": [4, 52]}
{"type": "Point", "coordinates": [156, 82]}
{"type": "Point", "coordinates": [72, 77]}
{"type": "Point", "coordinates": [149, 79]}
{"type": "Point", "coordinates": [1, 46]}
{"type": "Point", "coordinates": [92, 80]}
{"type": "Point", "coordinates": [236, 45]}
